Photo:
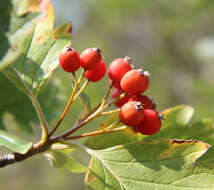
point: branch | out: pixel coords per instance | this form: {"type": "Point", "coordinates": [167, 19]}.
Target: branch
{"type": "Point", "coordinates": [15, 157]}
{"type": "Point", "coordinates": [70, 101]}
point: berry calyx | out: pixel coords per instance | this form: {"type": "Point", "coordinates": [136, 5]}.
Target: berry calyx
{"type": "Point", "coordinates": [151, 123]}
{"type": "Point", "coordinates": [135, 81]}
{"type": "Point", "coordinates": [131, 113]}
{"type": "Point", "coordinates": [97, 74]}
{"type": "Point", "coordinates": [122, 100]}
{"type": "Point", "coordinates": [118, 67]}
{"type": "Point", "coordinates": [69, 59]}
{"type": "Point", "coordinates": [147, 102]}
{"type": "Point", "coordinates": [90, 58]}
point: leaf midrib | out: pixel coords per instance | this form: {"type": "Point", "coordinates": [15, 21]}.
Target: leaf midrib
{"type": "Point", "coordinates": [107, 167]}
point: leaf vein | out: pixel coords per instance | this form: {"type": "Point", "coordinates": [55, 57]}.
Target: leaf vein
{"type": "Point", "coordinates": [140, 181]}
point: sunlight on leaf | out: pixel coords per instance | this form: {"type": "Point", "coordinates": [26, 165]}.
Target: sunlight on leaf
{"type": "Point", "coordinates": [14, 143]}
{"type": "Point", "coordinates": [31, 44]}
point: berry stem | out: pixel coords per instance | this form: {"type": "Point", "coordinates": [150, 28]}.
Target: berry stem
{"type": "Point", "coordinates": [67, 106]}
{"type": "Point", "coordinates": [97, 133]}
{"type": "Point", "coordinates": [81, 90]}
{"type": "Point", "coordinates": [109, 112]}
{"type": "Point", "coordinates": [99, 105]}
{"type": "Point", "coordinates": [106, 96]}
{"type": "Point", "coordinates": [78, 125]}
{"type": "Point", "coordinates": [81, 77]}
{"type": "Point", "coordinates": [90, 116]}
{"type": "Point", "coordinates": [120, 95]}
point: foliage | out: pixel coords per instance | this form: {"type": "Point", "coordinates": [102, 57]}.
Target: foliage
{"type": "Point", "coordinates": [175, 158]}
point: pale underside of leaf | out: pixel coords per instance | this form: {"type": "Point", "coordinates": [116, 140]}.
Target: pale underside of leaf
{"type": "Point", "coordinates": [62, 160]}
{"type": "Point", "coordinates": [14, 143]}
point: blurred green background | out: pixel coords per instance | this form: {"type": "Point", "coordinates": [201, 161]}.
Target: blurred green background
{"type": "Point", "coordinates": [174, 40]}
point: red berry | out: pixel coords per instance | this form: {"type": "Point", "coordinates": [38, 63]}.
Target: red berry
{"type": "Point", "coordinates": [151, 123]}
{"type": "Point", "coordinates": [69, 59]}
{"type": "Point", "coordinates": [116, 84]}
{"type": "Point", "coordinates": [147, 102]}
{"type": "Point", "coordinates": [131, 113]}
{"type": "Point", "coordinates": [90, 58]}
{"type": "Point", "coordinates": [121, 101]}
{"type": "Point", "coordinates": [135, 81]}
{"type": "Point", "coordinates": [118, 67]}
{"type": "Point", "coordinates": [96, 74]}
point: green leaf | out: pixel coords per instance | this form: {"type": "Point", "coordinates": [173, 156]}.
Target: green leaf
{"type": "Point", "coordinates": [202, 130]}
{"type": "Point", "coordinates": [20, 107]}
{"type": "Point", "coordinates": [18, 20]}
{"type": "Point", "coordinates": [179, 115]}
{"type": "Point", "coordinates": [162, 165]}
{"type": "Point", "coordinates": [32, 44]}
{"type": "Point", "coordinates": [62, 160]}
{"type": "Point", "coordinates": [14, 143]}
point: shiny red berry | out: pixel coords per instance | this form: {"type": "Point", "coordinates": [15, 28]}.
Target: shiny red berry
{"type": "Point", "coordinates": [118, 67]}
{"type": "Point", "coordinates": [151, 123]}
{"type": "Point", "coordinates": [135, 81]}
{"type": "Point", "coordinates": [97, 74]}
{"type": "Point", "coordinates": [90, 58]}
{"type": "Point", "coordinates": [116, 84]}
{"type": "Point", "coordinates": [131, 113]}
{"type": "Point", "coordinates": [122, 100]}
{"type": "Point", "coordinates": [69, 59]}
{"type": "Point", "coordinates": [147, 102]}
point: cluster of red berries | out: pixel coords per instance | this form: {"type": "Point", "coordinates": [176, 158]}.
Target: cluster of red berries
{"type": "Point", "coordinates": [90, 60]}
{"type": "Point", "coordinates": [136, 110]}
